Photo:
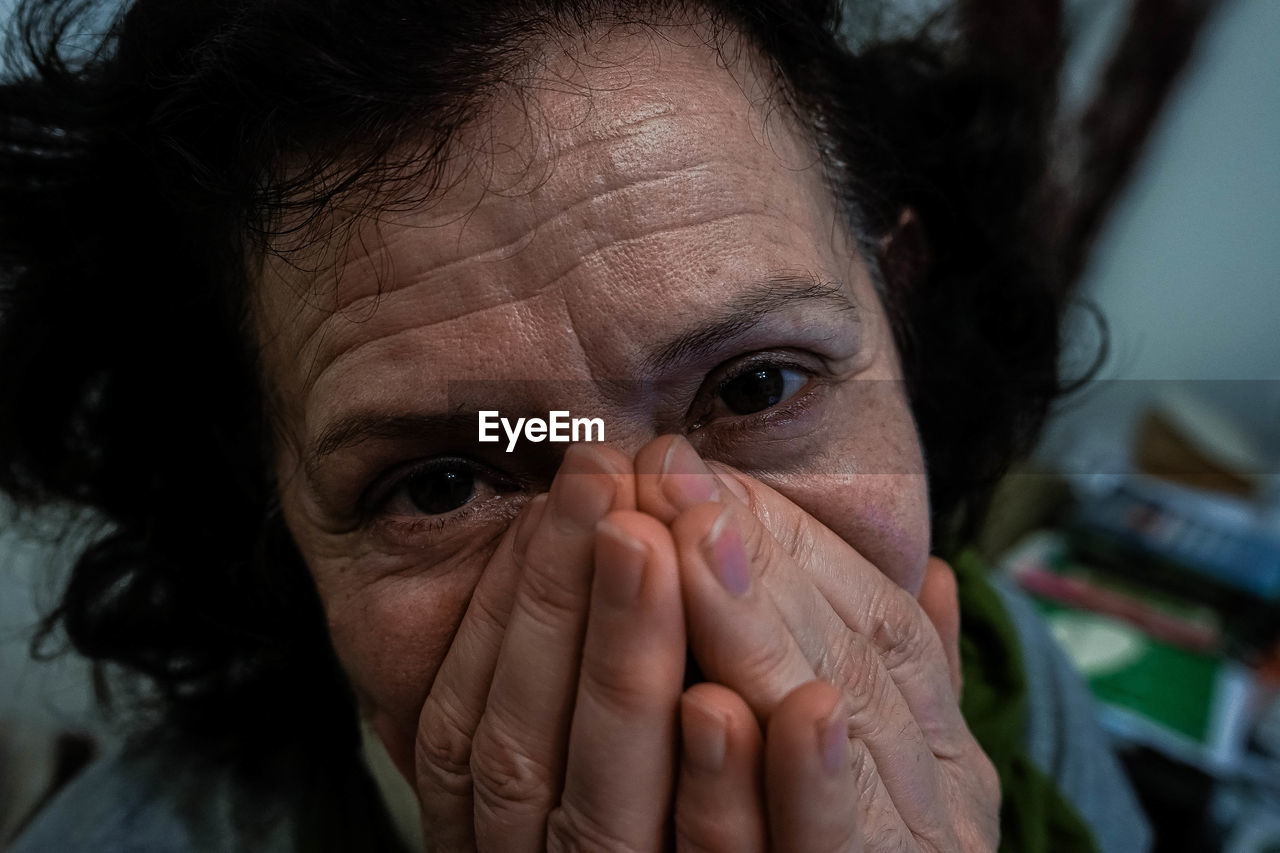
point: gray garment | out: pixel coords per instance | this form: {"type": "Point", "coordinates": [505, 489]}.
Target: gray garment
{"type": "Point", "coordinates": [131, 805]}
{"type": "Point", "coordinates": [1063, 738]}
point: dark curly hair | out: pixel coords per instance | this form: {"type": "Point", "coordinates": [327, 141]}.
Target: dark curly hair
{"type": "Point", "coordinates": [142, 179]}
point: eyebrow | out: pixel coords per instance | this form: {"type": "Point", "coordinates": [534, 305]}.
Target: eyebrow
{"type": "Point", "coordinates": [767, 296]}
{"type": "Point", "coordinates": [366, 426]}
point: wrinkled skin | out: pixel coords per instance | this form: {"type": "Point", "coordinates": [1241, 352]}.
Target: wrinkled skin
{"type": "Point", "coordinates": [646, 241]}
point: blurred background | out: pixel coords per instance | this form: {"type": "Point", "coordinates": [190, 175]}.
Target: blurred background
{"type": "Point", "coordinates": [1147, 524]}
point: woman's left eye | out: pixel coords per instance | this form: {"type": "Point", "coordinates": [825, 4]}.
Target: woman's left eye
{"type": "Point", "coordinates": [760, 387]}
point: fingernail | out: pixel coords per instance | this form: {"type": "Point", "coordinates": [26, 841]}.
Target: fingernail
{"type": "Point", "coordinates": [725, 554]}
{"type": "Point", "coordinates": [833, 741]}
{"type": "Point", "coordinates": [730, 484]}
{"type": "Point", "coordinates": [527, 523]}
{"type": "Point", "coordinates": [620, 559]}
{"type": "Point", "coordinates": [704, 736]}
{"type": "Point", "coordinates": [583, 490]}
{"type": "Point", "coordinates": [686, 479]}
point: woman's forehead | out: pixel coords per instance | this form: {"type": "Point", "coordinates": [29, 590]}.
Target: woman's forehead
{"type": "Point", "coordinates": [580, 220]}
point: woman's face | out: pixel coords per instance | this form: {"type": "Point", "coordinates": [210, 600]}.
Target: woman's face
{"type": "Point", "coordinates": [644, 239]}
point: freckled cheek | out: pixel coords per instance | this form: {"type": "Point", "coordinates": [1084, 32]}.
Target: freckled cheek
{"type": "Point", "coordinates": [391, 637]}
{"type": "Point", "coordinates": [885, 517]}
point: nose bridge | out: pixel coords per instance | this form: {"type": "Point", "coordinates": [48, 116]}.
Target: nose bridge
{"type": "Point", "coordinates": [628, 436]}
{"type": "Point", "coordinates": [629, 417]}
{"type": "Point", "coordinates": [633, 410]}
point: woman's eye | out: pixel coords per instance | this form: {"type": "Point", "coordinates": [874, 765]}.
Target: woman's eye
{"type": "Point", "coordinates": [439, 489]}
{"type": "Point", "coordinates": [761, 387]}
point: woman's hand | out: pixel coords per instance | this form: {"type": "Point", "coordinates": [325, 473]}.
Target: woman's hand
{"type": "Point", "coordinates": [794, 788]}
{"type": "Point", "coordinates": [551, 722]}
{"type": "Point", "coordinates": [774, 600]}
{"type": "Point", "coordinates": [574, 620]}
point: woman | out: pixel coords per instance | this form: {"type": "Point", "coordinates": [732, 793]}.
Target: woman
{"type": "Point", "coordinates": [268, 264]}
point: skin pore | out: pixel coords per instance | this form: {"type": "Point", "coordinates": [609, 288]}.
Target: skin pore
{"type": "Point", "coordinates": [643, 239]}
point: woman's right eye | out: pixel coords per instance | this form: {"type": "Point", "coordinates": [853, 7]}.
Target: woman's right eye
{"type": "Point", "coordinates": [440, 489]}
{"type": "Point", "coordinates": [435, 487]}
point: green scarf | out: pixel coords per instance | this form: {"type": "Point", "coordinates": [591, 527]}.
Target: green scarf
{"type": "Point", "coordinates": [1034, 816]}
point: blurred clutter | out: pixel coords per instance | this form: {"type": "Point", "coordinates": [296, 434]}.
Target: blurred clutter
{"type": "Point", "coordinates": [1159, 574]}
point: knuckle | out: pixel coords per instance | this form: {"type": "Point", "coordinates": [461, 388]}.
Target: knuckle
{"type": "Point", "coordinates": [883, 840]}
{"type": "Point", "coordinates": [796, 537]}
{"type": "Point", "coordinates": [866, 777]}
{"type": "Point", "coordinates": [765, 662]}
{"type": "Point", "coordinates": [886, 834]}
{"type": "Point", "coordinates": [978, 835]}
{"type": "Point", "coordinates": [702, 831]}
{"type": "Point", "coordinates": [891, 840]}
{"type": "Point", "coordinates": [754, 538]}
{"type": "Point", "coordinates": [443, 748]}
{"type": "Point", "coordinates": [975, 798]}
{"type": "Point", "coordinates": [880, 823]}
{"type": "Point", "coordinates": [487, 612]}
{"type": "Point", "coordinates": [854, 665]}
{"type": "Point", "coordinates": [570, 830]}
{"type": "Point", "coordinates": [505, 777]}
{"type": "Point", "coordinates": [988, 779]}
{"type": "Point", "coordinates": [551, 597]}
{"type": "Point", "coordinates": [899, 630]}
{"type": "Point", "coordinates": [619, 689]}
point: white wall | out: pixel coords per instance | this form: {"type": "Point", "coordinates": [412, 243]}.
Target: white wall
{"type": "Point", "coordinates": [1188, 271]}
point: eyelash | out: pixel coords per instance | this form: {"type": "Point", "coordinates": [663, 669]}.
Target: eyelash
{"type": "Point", "coordinates": [374, 503]}
{"type": "Point", "coordinates": [729, 371]}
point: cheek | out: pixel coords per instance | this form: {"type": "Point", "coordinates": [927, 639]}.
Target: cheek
{"type": "Point", "coordinates": [391, 616]}
{"type": "Point", "coordinates": [885, 517]}
{"type": "Point", "coordinates": [392, 636]}
{"type": "Point", "coordinates": [869, 487]}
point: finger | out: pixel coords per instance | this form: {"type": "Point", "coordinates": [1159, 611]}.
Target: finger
{"type": "Point", "coordinates": [455, 703]}
{"type": "Point", "coordinates": [735, 631]}
{"type": "Point", "coordinates": [940, 602]}
{"type": "Point", "coordinates": [621, 763]}
{"type": "Point", "coordinates": [517, 758]}
{"type": "Point", "coordinates": [860, 795]}
{"type": "Point", "coordinates": [719, 801]}
{"type": "Point", "coordinates": [671, 478]}
{"type": "Point", "coordinates": [878, 646]}
{"type": "Point", "coordinates": [861, 596]}
{"type": "Point", "coordinates": [810, 783]}
{"type": "Point", "coordinates": [744, 642]}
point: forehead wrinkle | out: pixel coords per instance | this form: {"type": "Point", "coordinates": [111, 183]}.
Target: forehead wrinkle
{"type": "Point", "coordinates": [513, 246]}
{"type": "Point", "coordinates": [628, 123]}
{"type": "Point", "coordinates": [648, 116]}
{"type": "Point", "coordinates": [573, 234]}
{"type": "Point", "coordinates": [405, 323]}
{"type": "Point", "coordinates": [458, 205]}
{"type": "Point", "coordinates": [651, 119]}
{"type": "Point", "coordinates": [634, 181]}
{"type": "Point", "coordinates": [649, 157]}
